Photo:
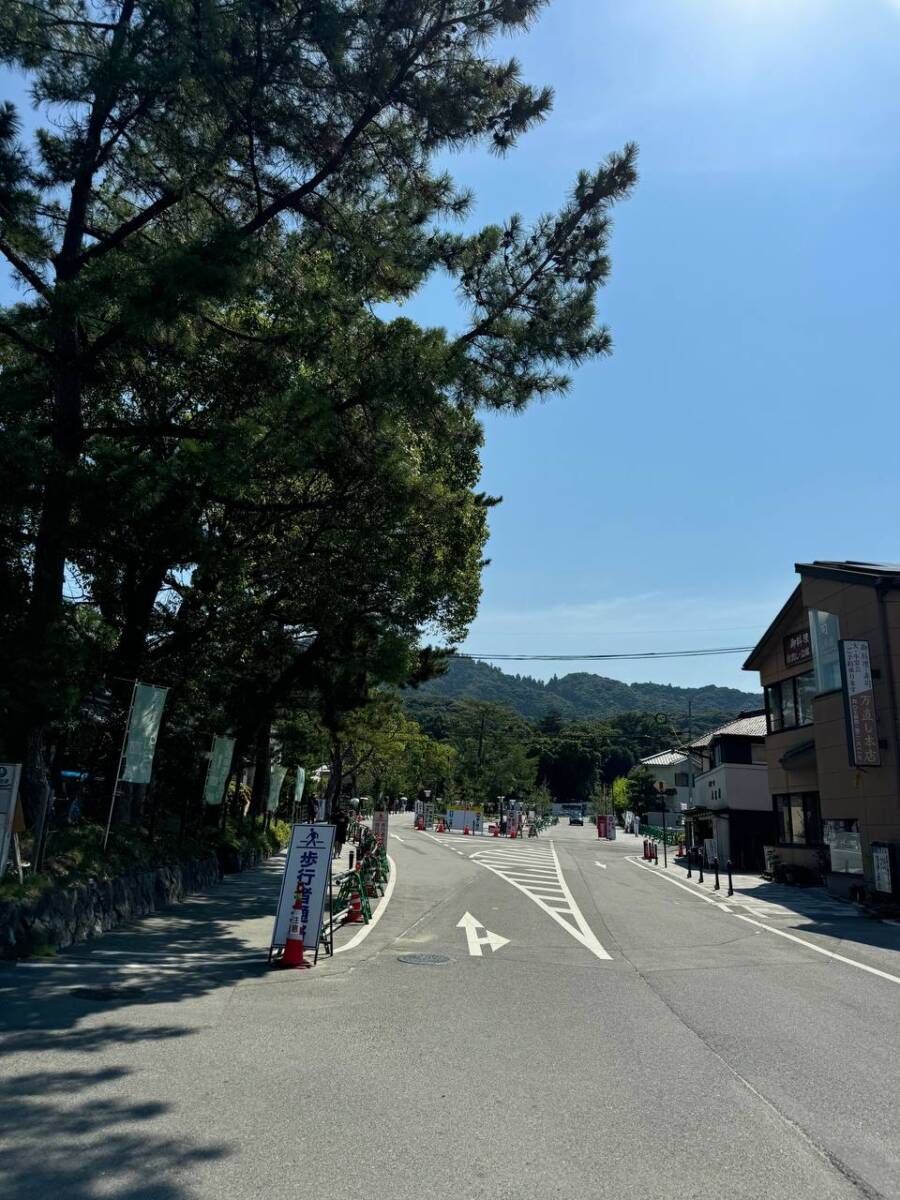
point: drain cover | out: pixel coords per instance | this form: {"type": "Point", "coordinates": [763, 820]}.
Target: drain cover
{"type": "Point", "coordinates": [111, 992]}
{"type": "Point", "coordinates": [423, 960]}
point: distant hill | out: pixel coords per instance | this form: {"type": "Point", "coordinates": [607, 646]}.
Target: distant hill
{"type": "Point", "coordinates": [579, 695]}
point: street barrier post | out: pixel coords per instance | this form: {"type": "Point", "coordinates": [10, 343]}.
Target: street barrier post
{"type": "Point", "coordinates": [716, 869]}
{"type": "Point", "coordinates": [730, 884]}
{"type": "Point", "coordinates": [700, 865]}
{"type": "Point", "coordinates": [690, 858]}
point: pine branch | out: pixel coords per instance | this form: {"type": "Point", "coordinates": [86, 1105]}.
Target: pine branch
{"type": "Point", "coordinates": [27, 272]}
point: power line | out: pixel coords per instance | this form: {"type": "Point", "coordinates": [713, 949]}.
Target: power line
{"type": "Point", "coordinates": [717, 650]}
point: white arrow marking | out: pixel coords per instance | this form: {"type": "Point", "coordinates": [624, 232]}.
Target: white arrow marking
{"type": "Point", "coordinates": [471, 925]}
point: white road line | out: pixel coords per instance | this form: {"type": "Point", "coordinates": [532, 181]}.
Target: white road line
{"type": "Point", "coordinates": [791, 937]}
{"type": "Point", "coordinates": [580, 930]}
{"type": "Point", "coordinates": [399, 839]}
{"type": "Point", "coordinates": [379, 913]}
{"type": "Point", "coordinates": [599, 864]}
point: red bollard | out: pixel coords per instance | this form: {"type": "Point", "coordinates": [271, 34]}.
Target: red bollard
{"type": "Point", "coordinates": [646, 848]}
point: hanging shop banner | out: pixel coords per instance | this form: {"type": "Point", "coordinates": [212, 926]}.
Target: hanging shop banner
{"type": "Point", "coordinates": [306, 871]}
{"type": "Point", "coordinates": [143, 728]}
{"type": "Point", "coordinates": [881, 867]}
{"type": "Point", "coordinates": [276, 779]}
{"type": "Point", "coordinates": [299, 784]}
{"type": "Point", "coordinates": [10, 773]}
{"type": "Point", "coordinates": [380, 828]}
{"type": "Point", "coordinates": [859, 704]}
{"type": "Point", "coordinates": [218, 770]}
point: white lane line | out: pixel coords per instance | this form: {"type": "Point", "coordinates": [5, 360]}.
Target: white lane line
{"type": "Point", "coordinates": [364, 932]}
{"type": "Point", "coordinates": [599, 864]}
{"type": "Point", "coordinates": [399, 839]}
{"type": "Point", "coordinates": [791, 937]}
{"type": "Point", "coordinates": [564, 917]}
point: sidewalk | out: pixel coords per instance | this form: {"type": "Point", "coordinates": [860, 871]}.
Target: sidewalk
{"type": "Point", "coordinates": [769, 901]}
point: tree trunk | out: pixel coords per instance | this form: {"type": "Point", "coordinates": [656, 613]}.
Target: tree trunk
{"type": "Point", "coordinates": [260, 792]}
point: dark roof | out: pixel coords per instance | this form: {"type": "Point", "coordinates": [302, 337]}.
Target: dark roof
{"type": "Point", "coordinates": [749, 665]}
{"type": "Point", "coordinates": [870, 574]}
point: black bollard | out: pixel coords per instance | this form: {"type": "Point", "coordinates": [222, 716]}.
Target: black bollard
{"type": "Point", "coordinates": [690, 857]}
{"type": "Point", "coordinates": [700, 866]}
{"type": "Point", "coordinates": [730, 884]}
{"type": "Point", "coordinates": [716, 869]}
{"type": "Point", "coordinates": [656, 854]}
{"type": "Point", "coordinates": [350, 865]}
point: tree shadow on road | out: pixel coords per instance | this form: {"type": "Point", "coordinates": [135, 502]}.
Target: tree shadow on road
{"type": "Point", "coordinates": [76, 1135]}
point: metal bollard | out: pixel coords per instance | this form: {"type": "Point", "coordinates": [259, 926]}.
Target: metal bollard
{"type": "Point", "coordinates": [716, 869]}
{"type": "Point", "coordinates": [656, 854]}
{"type": "Point", "coordinates": [690, 858]}
{"type": "Point", "coordinates": [700, 866]}
{"type": "Point", "coordinates": [730, 884]}
{"type": "Point", "coordinates": [350, 866]}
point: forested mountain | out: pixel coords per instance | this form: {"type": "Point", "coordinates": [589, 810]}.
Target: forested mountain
{"type": "Point", "coordinates": [579, 695]}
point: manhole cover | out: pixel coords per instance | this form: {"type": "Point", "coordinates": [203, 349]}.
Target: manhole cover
{"type": "Point", "coordinates": [112, 992]}
{"type": "Point", "coordinates": [423, 960]}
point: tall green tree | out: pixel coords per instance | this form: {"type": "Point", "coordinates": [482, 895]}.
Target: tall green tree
{"type": "Point", "coordinates": [183, 145]}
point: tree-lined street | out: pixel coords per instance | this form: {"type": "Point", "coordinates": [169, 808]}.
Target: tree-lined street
{"type": "Point", "coordinates": [622, 1036]}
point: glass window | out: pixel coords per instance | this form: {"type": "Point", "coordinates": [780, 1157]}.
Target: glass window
{"type": "Point", "coordinates": [681, 779]}
{"type": "Point", "coordinates": [783, 819]}
{"type": "Point", "coordinates": [773, 707]}
{"type": "Point", "coordinates": [806, 689]}
{"type": "Point", "coordinates": [843, 842]}
{"type": "Point", "coordinates": [797, 818]}
{"type": "Point", "coordinates": [788, 704]}
{"type": "Point", "coordinates": [825, 631]}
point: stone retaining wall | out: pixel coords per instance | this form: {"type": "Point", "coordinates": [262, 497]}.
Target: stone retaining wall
{"type": "Point", "coordinates": [85, 910]}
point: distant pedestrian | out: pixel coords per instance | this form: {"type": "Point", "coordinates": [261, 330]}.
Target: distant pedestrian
{"type": "Point", "coordinates": [341, 826]}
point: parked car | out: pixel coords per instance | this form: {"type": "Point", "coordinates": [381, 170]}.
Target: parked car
{"type": "Point", "coordinates": [576, 819]}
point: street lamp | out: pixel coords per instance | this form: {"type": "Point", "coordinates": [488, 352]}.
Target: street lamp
{"type": "Point", "coordinates": [661, 789]}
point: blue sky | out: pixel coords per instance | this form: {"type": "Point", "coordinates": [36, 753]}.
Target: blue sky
{"type": "Point", "coordinates": [748, 418]}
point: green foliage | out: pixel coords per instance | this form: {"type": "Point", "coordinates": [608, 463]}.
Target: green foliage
{"type": "Point", "coordinates": [581, 696]}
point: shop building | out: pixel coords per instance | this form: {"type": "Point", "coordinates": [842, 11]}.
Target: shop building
{"type": "Point", "coordinates": [828, 664]}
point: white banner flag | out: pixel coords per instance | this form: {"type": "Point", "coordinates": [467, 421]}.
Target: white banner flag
{"type": "Point", "coordinates": [219, 769]}
{"type": "Point", "coordinates": [143, 730]}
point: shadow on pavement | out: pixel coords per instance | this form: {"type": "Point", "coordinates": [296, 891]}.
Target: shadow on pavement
{"type": "Point", "coordinates": [76, 1135]}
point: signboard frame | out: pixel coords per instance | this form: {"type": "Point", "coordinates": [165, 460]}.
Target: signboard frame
{"type": "Point", "coordinates": [305, 838]}
{"type": "Point", "coordinates": [882, 868]}
{"type": "Point", "coordinates": [797, 647]}
{"type": "Point", "coordinates": [380, 827]}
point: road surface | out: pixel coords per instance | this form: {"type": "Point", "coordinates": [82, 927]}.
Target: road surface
{"type": "Point", "coordinates": [587, 1027]}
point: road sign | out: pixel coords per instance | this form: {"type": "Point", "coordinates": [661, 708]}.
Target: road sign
{"type": "Point", "coordinates": [380, 827]}
{"type": "Point", "coordinates": [471, 925]}
{"type": "Point", "coordinates": [308, 864]}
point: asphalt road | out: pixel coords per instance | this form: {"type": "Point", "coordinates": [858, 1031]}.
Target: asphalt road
{"type": "Point", "coordinates": [598, 1029]}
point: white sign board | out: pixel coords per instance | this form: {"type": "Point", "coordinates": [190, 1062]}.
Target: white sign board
{"type": "Point", "coordinates": [459, 818]}
{"type": "Point", "coordinates": [380, 828]}
{"type": "Point", "coordinates": [429, 814]}
{"type": "Point", "coordinates": [10, 774]}
{"type": "Point", "coordinates": [308, 867]}
{"type": "Point", "coordinates": [881, 866]}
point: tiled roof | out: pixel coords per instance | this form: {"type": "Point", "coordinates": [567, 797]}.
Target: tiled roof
{"type": "Point", "coordinates": [665, 758]}
{"type": "Point", "coordinates": [751, 725]}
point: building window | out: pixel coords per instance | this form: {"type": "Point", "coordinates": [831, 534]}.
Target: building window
{"type": "Point", "coordinates": [797, 818]}
{"type": "Point", "coordinates": [789, 703]}
{"type": "Point", "coordinates": [843, 842]}
{"type": "Point", "coordinates": [825, 632]}
{"type": "Point", "coordinates": [682, 779]}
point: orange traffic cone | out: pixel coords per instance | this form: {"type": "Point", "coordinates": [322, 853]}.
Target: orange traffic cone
{"type": "Point", "coordinates": [293, 946]}
{"type": "Point", "coordinates": [355, 912]}
{"type": "Point", "coordinates": [466, 830]}
{"type": "Point", "coordinates": [496, 831]}
{"type": "Point", "coordinates": [512, 831]}
{"type": "Point", "coordinates": [440, 826]}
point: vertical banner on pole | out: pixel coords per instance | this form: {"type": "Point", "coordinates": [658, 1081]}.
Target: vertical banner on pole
{"type": "Point", "coordinates": [299, 783]}
{"type": "Point", "coordinates": [10, 774]}
{"type": "Point", "coordinates": [139, 743]}
{"type": "Point", "coordinates": [143, 730]}
{"type": "Point", "coordinates": [276, 779]}
{"type": "Point", "coordinates": [218, 770]}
